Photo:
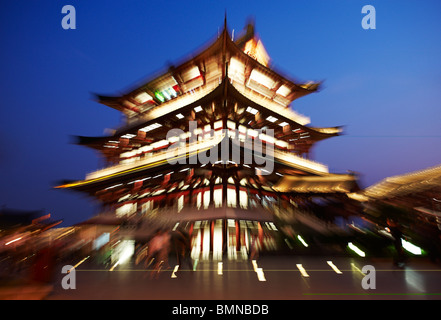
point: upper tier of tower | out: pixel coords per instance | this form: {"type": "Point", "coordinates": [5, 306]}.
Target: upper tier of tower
{"type": "Point", "coordinates": [244, 61]}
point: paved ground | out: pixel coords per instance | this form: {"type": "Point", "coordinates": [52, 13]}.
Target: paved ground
{"type": "Point", "coordinates": [270, 278]}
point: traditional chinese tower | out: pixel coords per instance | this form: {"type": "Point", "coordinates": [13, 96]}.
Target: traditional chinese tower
{"type": "Point", "coordinates": [225, 97]}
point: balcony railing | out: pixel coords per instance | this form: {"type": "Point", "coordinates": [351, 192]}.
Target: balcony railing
{"type": "Point", "coordinates": [172, 156]}
{"type": "Point", "coordinates": [159, 157]}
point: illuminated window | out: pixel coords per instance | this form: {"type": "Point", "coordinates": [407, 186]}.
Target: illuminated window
{"type": "Point", "coordinates": [143, 97]}
{"type": "Point", "coordinates": [191, 73]}
{"type": "Point", "coordinates": [169, 93]}
{"type": "Point", "coordinates": [231, 125]}
{"type": "Point", "coordinates": [251, 110]}
{"type": "Point", "coordinates": [253, 133]}
{"type": "Point", "coordinates": [217, 240]}
{"type": "Point", "coordinates": [199, 200]}
{"type": "Point", "coordinates": [231, 197]}
{"type": "Point", "coordinates": [126, 209]}
{"type": "Point", "coordinates": [173, 139]}
{"type": "Point", "coordinates": [180, 203]}
{"type": "Point", "coordinates": [283, 91]}
{"type": "Point", "coordinates": [159, 96]}
{"type": "Point", "coordinates": [206, 199]}
{"type": "Point", "coordinates": [146, 207]}
{"type": "Point", "coordinates": [198, 109]}
{"type": "Point", "coordinates": [218, 125]}
{"type": "Point", "coordinates": [243, 198]}
{"type": "Point", "coordinates": [282, 144]}
{"type": "Point", "coordinates": [151, 127]}
{"type": "Point", "coordinates": [267, 138]}
{"type": "Point", "coordinates": [262, 79]}
{"type": "Point", "coordinates": [236, 70]}
{"type": "Point", "coordinates": [160, 144]}
{"type": "Point", "coordinates": [128, 136]}
{"type": "Point", "coordinates": [217, 195]}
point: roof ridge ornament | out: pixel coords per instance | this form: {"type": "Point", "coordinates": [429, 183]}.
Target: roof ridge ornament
{"type": "Point", "coordinates": [225, 20]}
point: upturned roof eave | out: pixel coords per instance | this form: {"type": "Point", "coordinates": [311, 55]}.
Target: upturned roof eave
{"type": "Point", "coordinates": [224, 88]}
{"type": "Point", "coordinates": [223, 45]}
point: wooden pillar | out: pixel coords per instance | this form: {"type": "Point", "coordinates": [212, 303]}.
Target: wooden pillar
{"type": "Point", "coordinates": [237, 185]}
{"type": "Point", "coordinates": [190, 230]}
{"type": "Point", "coordinates": [224, 189]}
{"type": "Point", "coordinates": [237, 235]}
{"type": "Point", "coordinates": [224, 236]}
{"type": "Point", "coordinates": [260, 230]}
{"type": "Point", "coordinates": [190, 198]}
{"type": "Point", "coordinates": [212, 181]}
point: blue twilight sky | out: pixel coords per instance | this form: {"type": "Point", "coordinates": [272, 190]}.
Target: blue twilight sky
{"type": "Point", "coordinates": [383, 84]}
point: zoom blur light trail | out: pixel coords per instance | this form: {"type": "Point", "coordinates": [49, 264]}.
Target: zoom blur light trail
{"type": "Point", "coordinates": [220, 268]}
{"type": "Point", "coordinates": [302, 241]}
{"type": "Point", "coordinates": [411, 247]}
{"type": "Point", "coordinates": [357, 250]}
{"type": "Point", "coordinates": [173, 276]}
{"type": "Point", "coordinates": [78, 264]}
{"type": "Point", "coordinates": [334, 267]}
{"type": "Point", "coordinates": [15, 240]}
{"type": "Point", "coordinates": [259, 271]}
{"type": "Point", "coordinates": [302, 270]}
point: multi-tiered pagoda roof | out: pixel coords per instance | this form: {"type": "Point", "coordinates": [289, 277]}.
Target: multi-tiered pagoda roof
{"type": "Point", "coordinates": [228, 80]}
{"type": "Point", "coordinates": [231, 92]}
{"type": "Point", "coordinates": [187, 149]}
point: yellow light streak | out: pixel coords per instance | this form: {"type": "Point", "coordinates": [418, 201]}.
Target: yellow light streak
{"type": "Point", "coordinates": [259, 271]}
{"type": "Point", "coordinates": [114, 266]}
{"type": "Point", "coordinates": [84, 182]}
{"type": "Point", "coordinates": [302, 241]}
{"type": "Point", "coordinates": [260, 274]}
{"type": "Point", "coordinates": [254, 263]}
{"type": "Point", "coordinates": [334, 267]}
{"type": "Point", "coordinates": [9, 242]}
{"type": "Point", "coordinates": [65, 233]}
{"type": "Point", "coordinates": [356, 249]}
{"type": "Point", "coordinates": [302, 270]}
{"type": "Point", "coordinates": [355, 268]}
{"type": "Point", "coordinates": [78, 263]}
{"type": "Point", "coordinates": [220, 268]}
{"type": "Point", "coordinates": [173, 276]}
